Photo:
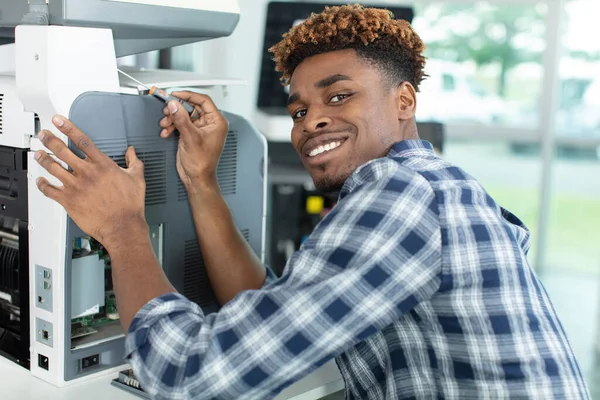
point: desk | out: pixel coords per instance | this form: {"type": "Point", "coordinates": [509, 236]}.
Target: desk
{"type": "Point", "coordinates": [16, 383]}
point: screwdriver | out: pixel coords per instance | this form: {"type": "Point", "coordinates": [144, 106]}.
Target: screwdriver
{"type": "Point", "coordinates": [191, 110]}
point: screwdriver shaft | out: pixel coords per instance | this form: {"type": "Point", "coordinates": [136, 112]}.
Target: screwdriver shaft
{"type": "Point", "coordinates": [133, 79]}
{"type": "Point", "coordinates": [191, 110]}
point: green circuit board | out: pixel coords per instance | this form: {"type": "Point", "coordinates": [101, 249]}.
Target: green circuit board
{"type": "Point", "coordinates": [107, 314]}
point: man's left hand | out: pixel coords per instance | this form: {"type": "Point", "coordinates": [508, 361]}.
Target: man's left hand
{"type": "Point", "coordinates": [103, 199]}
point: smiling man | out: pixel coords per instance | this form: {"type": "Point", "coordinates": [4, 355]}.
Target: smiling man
{"type": "Point", "coordinates": [417, 282]}
{"type": "Point", "coordinates": [343, 120]}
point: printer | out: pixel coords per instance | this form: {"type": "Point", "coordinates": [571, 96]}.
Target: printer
{"type": "Point", "coordinates": [58, 315]}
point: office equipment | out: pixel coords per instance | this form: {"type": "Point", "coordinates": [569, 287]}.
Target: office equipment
{"type": "Point", "coordinates": [58, 314]}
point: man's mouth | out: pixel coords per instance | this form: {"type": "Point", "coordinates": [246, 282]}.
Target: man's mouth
{"type": "Point", "coordinates": [323, 153]}
{"type": "Point", "coordinates": [325, 148]}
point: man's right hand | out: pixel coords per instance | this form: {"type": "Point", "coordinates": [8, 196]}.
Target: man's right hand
{"type": "Point", "coordinates": [201, 141]}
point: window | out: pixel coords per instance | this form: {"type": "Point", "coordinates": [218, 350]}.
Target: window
{"type": "Point", "coordinates": [484, 62]}
{"type": "Point", "coordinates": [579, 113]}
{"type": "Point", "coordinates": [572, 253]}
{"type": "Point", "coordinates": [449, 83]}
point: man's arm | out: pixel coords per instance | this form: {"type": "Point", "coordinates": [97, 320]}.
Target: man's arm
{"type": "Point", "coordinates": [230, 263]}
{"type": "Point", "coordinates": [137, 275]}
{"type": "Point", "coordinates": [375, 257]}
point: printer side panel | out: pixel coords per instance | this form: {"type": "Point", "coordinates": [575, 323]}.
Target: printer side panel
{"type": "Point", "coordinates": [53, 65]}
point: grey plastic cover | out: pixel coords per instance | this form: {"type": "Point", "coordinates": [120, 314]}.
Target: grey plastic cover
{"type": "Point", "coordinates": [137, 28]}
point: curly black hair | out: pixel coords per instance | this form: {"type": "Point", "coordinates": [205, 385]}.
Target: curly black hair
{"type": "Point", "coordinates": [389, 44]}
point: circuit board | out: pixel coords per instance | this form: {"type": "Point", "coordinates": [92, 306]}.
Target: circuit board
{"type": "Point", "coordinates": [109, 313]}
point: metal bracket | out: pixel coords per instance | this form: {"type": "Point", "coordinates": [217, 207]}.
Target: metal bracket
{"type": "Point", "coordinates": [38, 13]}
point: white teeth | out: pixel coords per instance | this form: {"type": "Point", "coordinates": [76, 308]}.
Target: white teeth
{"type": "Point", "coordinates": [324, 148]}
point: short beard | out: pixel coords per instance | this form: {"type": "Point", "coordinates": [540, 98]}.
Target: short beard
{"type": "Point", "coordinates": [330, 184]}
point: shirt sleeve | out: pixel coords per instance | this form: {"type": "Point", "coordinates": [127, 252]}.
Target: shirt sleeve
{"type": "Point", "coordinates": [374, 257]}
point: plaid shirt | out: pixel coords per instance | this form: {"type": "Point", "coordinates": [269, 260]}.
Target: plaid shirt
{"type": "Point", "coordinates": [417, 282]}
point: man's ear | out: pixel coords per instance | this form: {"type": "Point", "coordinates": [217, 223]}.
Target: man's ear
{"type": "Point", "coordinates": [406, 99]}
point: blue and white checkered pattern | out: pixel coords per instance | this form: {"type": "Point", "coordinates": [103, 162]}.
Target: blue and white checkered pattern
{"type": "Point", "coordinates": [418, 284]}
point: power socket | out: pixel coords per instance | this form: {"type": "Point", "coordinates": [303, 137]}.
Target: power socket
{"type": "Point", "coordinates": [44, 332]}
{"type": "Point", "coordinates": [43, 288]}
{"type": "Point", "coordinates": [43, 362]}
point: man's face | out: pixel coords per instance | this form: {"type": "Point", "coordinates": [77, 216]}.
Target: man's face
{"type": "Point", "coordinates": [344, 116]}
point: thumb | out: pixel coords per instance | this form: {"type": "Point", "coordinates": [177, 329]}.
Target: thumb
{"type": "Point", "coordinates": [133, 162]}
{"type": "Point", "coordinates": [180, 118]}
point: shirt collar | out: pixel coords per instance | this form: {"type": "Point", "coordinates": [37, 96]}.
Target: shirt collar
{"type": "Point", "coordinates": [406, 148]}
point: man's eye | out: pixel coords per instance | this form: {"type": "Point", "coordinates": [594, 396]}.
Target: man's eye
{"type": "Point", "coordinates": [299, 114]}
{"type": "Point", "coordinates": [339, 97]}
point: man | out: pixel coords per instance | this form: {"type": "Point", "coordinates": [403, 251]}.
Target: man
{"type": "Point", "coordinates": [417, 282]}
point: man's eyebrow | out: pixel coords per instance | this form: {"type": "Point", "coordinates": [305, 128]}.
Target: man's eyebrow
{"type": "Point", "coordinates": [330, 80]}
{"type": "Point", "coordinates": [293, 98]}
{"type": "Point", "coordinates": [323, 83]}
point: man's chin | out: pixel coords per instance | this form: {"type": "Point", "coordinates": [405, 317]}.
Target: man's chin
{"type": "Point", "coordinates": [329, 184]}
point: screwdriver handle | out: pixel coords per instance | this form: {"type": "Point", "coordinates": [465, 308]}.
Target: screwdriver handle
{"type": "Point", "coordinates": [191, 110]}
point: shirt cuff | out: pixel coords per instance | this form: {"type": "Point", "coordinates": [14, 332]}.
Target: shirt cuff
{"type": "Point", "coordinates": [153, 311]}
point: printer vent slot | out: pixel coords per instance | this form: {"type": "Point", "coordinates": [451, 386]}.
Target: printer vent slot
{"type": "Point", "coordinates": [181, 191]}
{"type": "Point", "coordinates": [227, 168]}
{"type": "Point", "coordinates": [111, 147]}
{"type": "Point", "coordinates": [119, 160]}
{"type": "Point", "coordinates": [246, 234]}
{"type": "Point", "coordinates": [1, 118]}
{"type": "Point", "coordinates": [155, 173]}
{"type": "Point", "coordinates": [196, 286]}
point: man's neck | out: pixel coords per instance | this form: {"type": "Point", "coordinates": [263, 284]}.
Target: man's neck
{"type": "Point", "coordinates": [410, 131]}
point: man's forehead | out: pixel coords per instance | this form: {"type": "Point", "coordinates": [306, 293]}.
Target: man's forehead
{"type": "Point", "coordinates": [319, 67]}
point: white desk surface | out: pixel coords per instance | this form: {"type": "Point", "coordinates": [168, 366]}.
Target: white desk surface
{"type": "Point", "coordinates": [16, 383]}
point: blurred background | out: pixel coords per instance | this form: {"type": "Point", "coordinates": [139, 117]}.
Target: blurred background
{"type": "Point", "coordinates": [513, 98]}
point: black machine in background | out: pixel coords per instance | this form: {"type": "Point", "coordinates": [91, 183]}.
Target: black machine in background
{"type": "Point", "coordinates": [14, 256]}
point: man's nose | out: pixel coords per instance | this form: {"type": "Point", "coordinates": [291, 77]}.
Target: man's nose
{"type": "Point", "coordinates": [315, 121]}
